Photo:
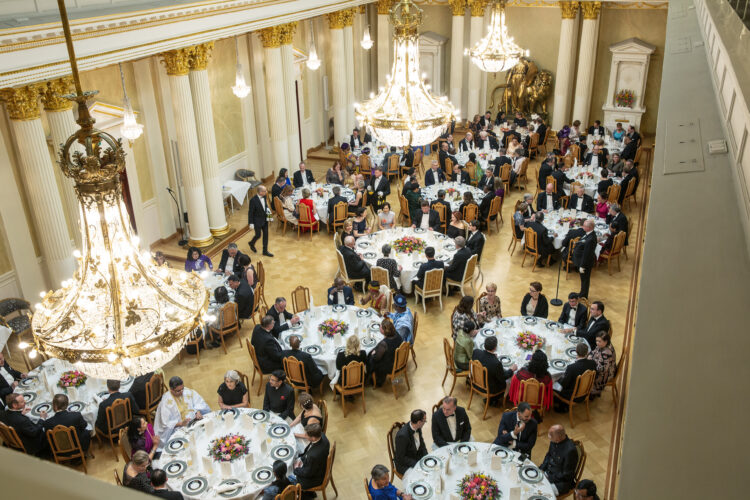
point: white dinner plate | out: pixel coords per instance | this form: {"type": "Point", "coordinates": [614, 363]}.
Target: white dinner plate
{"type": "Point", "coordinates": [312, 350]}
{"type": "Point", "coordinates": [260, 416]}
{"type": "Point", "coordinates": [282, 452]}
{"type": "Point", "coordinates": [27, 382]}
{"type": "Point", "coordinates": [430, 463]}
{"type": "Point", "coordinates": [175, 445]}
{"type": "Point", "coordinates": [279, 431]}
{"type": "Point", "coordinates": [38, 409]}
{"type": "Point", "coordinates": [487, 332]}
{"type": "Point", "coordinates": [76, 406]}
{"type": "Point", "coordinates": [231, 493]}
{"type": "Point", "coordinates": [420, 490]}
{"type": "Point", "coordinates": [558, 364]}
{"type": "Point", "coordinates": [175, 468]}
{"type": "Point", "coordinates": [194, 486]}
{"type": "Point", "coordinates": [529, 320]}
{"type": "Point", "coordinates": [338, 308]}
{"type": "Point", "coordinates": [29, 397]}
{"type": "Point", "coordinates": [262, 475]}
{"type": "Point", "coordinates": [530, 474]}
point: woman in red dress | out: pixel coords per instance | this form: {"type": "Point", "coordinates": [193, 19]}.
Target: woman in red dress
{"type": "Point", "coordinates": [306, 200]}
{"type": "Point", "coordinates": [536, 368]}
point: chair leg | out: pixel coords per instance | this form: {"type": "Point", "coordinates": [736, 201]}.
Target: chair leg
{"type": "Point", "coordinates": [343, 404]}
{"type": "Point", "coordinates": [588, 414]}
{"type": "Point", "coordinates": [406, 377]}
{"type": "Point", "coordinates": [440, 298]}
{"type": "Point", "coordinates": [414, 357]}
{"type": "Point", "coordinates": [486, 407]}
{"type": "Point", "coordinates": [614, 394]}
{"type": "Point", "coordinates": [364, 409]}
{"type": "Point", "coordinates": [223, 344]}
{"type": "Point", "coordinates": [393, 388]}
{"type": "Point", "coordinates": [618, 263]}
{"type": "Point", "coordinates": [445, 376]}
{"type": "Point", "coordinates": [471, 394]}
{"type": "Point", "coordinates": [570, 414]}
{"type": "Point", "coordinates": [334, 485]}
{"type": "Point", "coordinates": [112, 443]}
{"type": "Point", "coordinates": [198, 352]}
{"type": "Point", "coordinates": [260, 383]}
{"type": "Point", "coordinates": [536, 258]}
{"type": "Point", "coordinates": [453, 385]}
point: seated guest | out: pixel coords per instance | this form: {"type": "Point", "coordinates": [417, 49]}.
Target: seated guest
{"type": "Point", "coordinates": [356, 267]}
{"type": "Point", "coordinates": [333, 200]}
{"type": "Point", "coordinates": [631, 140]}
{"type": "Point", "coordinates": [403, 319]}
{"type": "Point", "coordinates": [475, 241]}
{"type": "Point", "coordinates": [159, 484]}
{"type": "Point", "coordinates": [386, 217]}
{"type": "Point", "coordinates": [434, 175]}
{"type": "Point", "coordinates": [248, 273]}
{"type": "Point", "coordinates": [410, 447]}
{"type": "Point", "coordinates": [351, 159]}
{"type": "Point", "coordinates": [573, 313]}
{"type": "Point", "coordinates": [486, 141]}
{"type": "Point", "coordinates": [359, 224]}
{"type": "Point", "coordinates": [499, 188]}
{"type": "Point", "coordinates": [464, 319]}
{"type": "Point", "coordinates": [457, 226]}
{"type": "Point", "coordinates": [561, 178]}
{"type": "Point", "coordinates": [516, 165]}
{"type": "Point", "coordinates": [567, 382]}
{"type": "Point", "coordinates": [178, 407]}
{"type": "Point", "coordinates": [615, 165]}
{"type": "Point", "coordinates": [113, 387]}
{"type": "Point", "coordinates": [545, 170]}
{"type": "Point", "coordinates": [618, 133]}
{"type": "Point", "coordinates": [278, 186]}
{"type": "Point", "coordinates": [586, 490]}
{"type": "Point", "coordinates": [281, 481]}
{"type": "Point", "coordinates": [535, 303]}
{"type": "Point", "coordinates": [378, 189]}
{"type": "Point", "coordinates": [519, 120]}
{"type": "Point", "coordinates": [487, 180]}
{"type": "Point", "coordinates": [381, 488]}
{"type": "Point", "coordinates": [431, 264]}
{"type": "Point", "coordinates": [351, 352]}
{"type": "Point", "coordinates": [312, 372]}
{"type": "Point", "coordinates": [359, 197]}
{"type": "Point", "coordinates": [606, 181]}
{"type": "Point", "coordinates": [602, 206]}
{"type": "Point", "coordinates": [141, 436]}
{"type": "Point", "coordinates": [232, 392]}
{"type": "Point", "coordinates": [302, 176]}
{"type": "Point", "coordinates": [545, 243]}
{"type": "Point", "coordinates": [8, 377]}
{"type": "Point", "coordinates": [502, 159]}
{"type": "Point", "coordinates": [450, 424]}
{"type": "Point", "coordinates": [138, 389]}
{"type": "Point", "coordinates": [548, 200]}
{"type": "Point", "coordinates": [596, 128]}
{"type": "Point", "coordinates": [489, 304]}
{"type": "Point", "coordinates": [519, 218]}
{"type": "Point", "coordinates": [310, 413]}
{"type": "Point", "coordinates": [413, 199]}
{"type": "Point", "coordinates": [381, 358]}
{"type": "Point", "coordinates": [517, 429]}
{"type": "Point", "coordinates": [287, 203]}
{"type": "Point", "coordinates": [267, 349]}
{"type": "Point", "coordinates": [595, 324]}
{"type": "Point", "coordinates": [68, 419]}
{"type": "Point", "coordinates": [426, 218]}
{"type": "Point", "coordinates": [196, 261]}
{"type": "Point", "coordinates": [31, 434]}
{"type": "Point", "coordinates": [355, 142]}
{"type": "Point", "coordinates": [340, 293]}
{"type": "Point", "coordinates": [456, 267]}
{"type": "Point", "coordinates": [630, 174]}
{"type": "Point", "coordinates": [408, 158]}
{"type": "Point", "coordinates": [467, 143]}
{"type": "Point", "coordinates": [595, 158]}
{"type": "Point", "coordinates": [283, 172]}
{"type": "Point", "coordinates": [618, 220]}
{"type": "Point", "coordinates": [468, 200]}
{"type": "Point", "coordinates": [484, 205]}
{"type": "Point", "coordinates": [390, 265]}
{"type": "Point", "coordinates": [445, 154]}
{"type": "Point", "coordinates": [243, 296]}
{"type": "Point", "coordinates": [578, 232]}
{"type": "Point", "coordinates": [581, 201]}
{"type": "Point", "coordinates": [559, 465]}
{"type": "Point", "coordinates": [387, 156]}
{"type": "Point", "coordinates": [282, 319]}
{"type": "Point", "coordinates": [496, 374]}
{"type": "Point", "coordinates": [135, 474]}
{"type": "Point", "coordinates": [459, 175]}
{"type": "Point", "coordinates": [603, 354]}
{"type": "Point", "coordinates": [230, 260]}
{"type": "Point", "coordinates": [279, 397]}
{"type": "Point", "coordinates": [347, 230]}
{"type": "Point", "coordinates": [515, 147]}
{"type": "Point", "coordinates": [336, 174]}
{"type": "Point", "coordinates": [537, 368]}
{"type": "Point", "coordinates": [310, 467]}
{"type": "Point", "coordinates": [464, 344]}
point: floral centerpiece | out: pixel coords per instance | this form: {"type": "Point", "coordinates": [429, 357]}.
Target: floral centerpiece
{"type": "Point", "coordinates": [478, 486]}
{"type": "Point", "coordinates": [625, 98]}
{"type": "Point", "coordinates": [331, 327]}
{"type": "Point", "coordinates": [528, 340]}
{"type": "Point", "coordinates": [450, 191]}
{"type": "Point", "coordinates": [483, 156]}
{"type": "Point", "coordinates": [72, 378]}
{"type": "Point", "coordinates": [229, 447]}
{"type": "Point", "coordinates": [320, 191]}
{"type": "Point", "coordinates": [565, 220]}
{"type": "Point", "coordinates": [408, 245]}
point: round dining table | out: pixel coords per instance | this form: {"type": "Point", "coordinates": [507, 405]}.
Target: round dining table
{"type": "Point", "coordinates": [454, 193]}
{"type": "Point", "coordinates": [320, 194]}
{"type": "Point", "coordinates": [516, 479]}
{"type": "Point", "coordinates": [192, 471]}
{"type": "Point", "coordinates": [560, 222]}
{"type": "Point", "coordinates": [484, 156]}
{"type": "Point", "coordinates": [588, 176]}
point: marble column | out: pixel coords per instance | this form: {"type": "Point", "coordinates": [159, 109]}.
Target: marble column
{"type": "Point", "coordinates": [474, 83]}
{"type": "Point", "coordinates": [62, 124]}
{"type": "Point", "coordinates": [40, 182]}
{"type": "Point", "coordinates": [565, 64]}
{"type": "Point", "coordinates": [586, 61]}
{"type": "Point", "coordinates": [248, 107]}
{"type": "Point", "coordinates": [383, 43]}
{"type": "Point", "coordinates": [349, 56]}
{"type": "Point", "coordinates": [275, 100]}
{"type": "Point", "coordinates": [458, 8]}
{"type": "Point", "coordinates": [204, 121]}
{"type": "Point", "coordinates": [339, 86]}
{"type": "Point", "coordinates": [361, 56]}
{"type": "Point", "coordinates": [290, 95]}
{"type": "Point", "coordinates": [177, 63]}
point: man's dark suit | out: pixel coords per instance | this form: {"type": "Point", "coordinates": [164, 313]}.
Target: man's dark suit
{"type": "Point", "coordinates": [279, 320]}
{"type": "Point", "coordinates": [256, 217]}
{"type": "Point", "coordinates": [496, 375]}
{"type": "Point", "coordinates": [279, 400]}
{"type": "Point", "coordinates": [441, 434]}
{"type": "Point", "coordinates": [356, 268]}
{"type": "Point", "coordinates": [584, 256]}
{"type": "Point", "coordinates": [442, 156]}
{"type": "Point", "coordinates": [580, 318]}
{"type": "Point", "coordinates": [101, 416]}
{"type": "Point", "coordinates": [602, 159]}
{"type": "Point", "coordinates": [561, 179]}
{"type": "Point", "coordinates": [498, 164]}
{"type": "Point", "coordinates": [541, 201]}
{"type": "Point", "coordinates": [298, 181]}
{"type": "Point", "coordinates": [486, 181]}
{"type": "Point", "coordinates": [244, 296]}
{"type": "Point", "coordinates": [312, 372]}
{"type": "Point", "coordinates": [475, 243]}
{"type": "Point", "coordinates": [31, 434]}
{"type": "Point", "coordinates": [353, 144]}
{"type": "Point", "coordinates": [568, 380]}
{"type": "Point", "coordinates": [447, 206]}
{"type": "Point", "coordinates": [267, 350]}
{"type": "Point", "coordinates": [462, 177]}
{"type": "Point", "coordinates": [168, 494]}
{"type": "Point", "coordinates": [629, 177]}
{"type": "Point", "coordinates": [542, 131]}
{"type": "Point", "coordinates": [521, 122]}
{"type": "Point", "coordinates": [490, 140]}
{"type": "Point", "coordinates": [70, 419]}
{"type": "Point", "coordinates": [545, 170]}
{"type": "Point", "coordinates": [620, 222]}
{"type": "Point", "coordinates": [457, 265]}
{"type": "Point", "coordinates": [578, 232]}
{"type": "Point", "coordinates": [236, 267]}
{"type": "Point", "coordinates": [314, 463]}
{"type": "Point", "coordinates": [407, 454]}
{"type": "Point", "coordinates": [543, 241]}
{"type": "Point", "coordinates": [5, 388]}
{"type": "Point", "coordinates": [376, 185]}
{"type": "Point", "coordinates": [433, 177]}
{"type": "Point", "coordinates": [276, 190]}
{"type": "Point", "coordinates": [560, 464]}
{"type": "Point", "coordinates": [138, 389]}
{"type": "Point", "coordinates": [604, 185]}
{"type": "Point", "coordinates": [589, 329]}
{"type": "Point", "coordinates": [596, 130]}
{"type": "Point", "coordinates": [587, 206]}
{"type": "Point", "coordinates": [333, 296]}
{"type": "Point", "coordinates": [628, 152]}
{"type": "Point", "coordinates": [464, 145]}
{"type": "Point", "coordinates": [484, 205]}
{"type": "Point", "coordinates": [525, 442]}
{"type": "Point", "coordinates": [424, 267]}
{"type": "Point", "coordinates": [432, 216]}
{"type": "Point", "coordinates": [332, 204]}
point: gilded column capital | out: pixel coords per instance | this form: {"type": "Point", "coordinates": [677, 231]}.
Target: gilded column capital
{"type": "Point", "coordinates": [384, 6]}
{"type": "Point", "coordinates": [23, 102]}
{"type": "Point", "coordinates": [591, 9]}
{"type": "Point", "coordinates": [337, 20]}
{"type": "Point", "coordinates": [568, 9]}
{"type": "Point", "coordinates": [199, 56]}
{"type": "Point", "coordinates": [287, 32]}
{"type": "Point", "coordinates": [362, 9]}
{"type": "Point", "coordinates": [477, 7]}
{"type": "Point", "coordinates": [458, 7]}
{"type": "Point", "coordinates": [348, 17]}
{"type": "Point", "coordinates": [271, 37]}
{"type": "Point", "coordinates": [53, 91]}
{"type": "Point", "coordinates": [177, 61]}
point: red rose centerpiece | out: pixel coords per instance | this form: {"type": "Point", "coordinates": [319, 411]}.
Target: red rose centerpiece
{"type": "Point", "coordinates": [478, 486]}
{"type": "Point", "coordinates": [72, 378]}
{"type": "Point", "coordinates": [528, 340]}
{"type": "Point", "coordinates": [229, 447]}
{"type": "Point", "coordinates": [408, 245]}
{"type": "Point", "coordinates": [331, 327]}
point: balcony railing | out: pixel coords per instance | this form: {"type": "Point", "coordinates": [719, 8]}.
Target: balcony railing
{"type": "Point", "coordinates": [742, 8]}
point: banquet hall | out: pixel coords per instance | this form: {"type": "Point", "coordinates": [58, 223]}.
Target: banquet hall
{"type": "Point", "coordinates": [256, 243]}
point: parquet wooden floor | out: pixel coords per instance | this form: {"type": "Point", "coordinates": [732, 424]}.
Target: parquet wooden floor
{"type": "Point", "coordinates": [360, 437]}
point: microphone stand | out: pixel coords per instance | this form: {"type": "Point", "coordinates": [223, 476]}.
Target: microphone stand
{"type": "Point", "coordinates": [556, 301]}
{"type": "Point", "coordinates": [183, 241]}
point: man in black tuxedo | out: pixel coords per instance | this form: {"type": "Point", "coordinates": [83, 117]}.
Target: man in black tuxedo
{"type": "Point", "coordinates": [584, 256]}
{"type": "Point", "coordinates": [559, 174]}
{"type": "Point", "coordinates": [541, 129]}
{"type": "Point", "coordinates": [475, 241]}
{"type": "Point", "coordinates": [8, 377]}
{"type": "Point", "coordinates": [496, 374]}
{"type": "Point", "coordinates": [333, 200]}
{"type": "Point", "coordinates": [445, 154]}
{"type": "Point", "coordinates": [310, 467]}
{"type": "Point", "coordinates": [113, 387]}
{"type": "Point", "coordinates": [302, 176]}
{"type": "Point", "coordinates": [434, 175]}
{"type": "Point", "coordinates": [282, 319]}
{"type": "Point", "coordinates": [484, 205]}
{"type": "Point", "coordinates": [339, 293]}
{"type": "Point", "coordinates": [486, 141]}
{"type": "Point", "coordinates": [467, 143]}
{"type": "Point", "coordinates": [630, 174]}
{"type": "Point", "coordinates": [605, 182]}
{"type": "Point", "coordinates": [312, 372]}
{"type": "Point", "coordinates": [573, 313]}
{"type": "Point", "coordinates": [31, 434]}
{"type": "Point", "coordinates": [581, 201]}
{"type": "Point", "coordinates": [578, 367]}
{"type": "Point", "coordinates": [459, 175]}
{"type": "Point", "coordinates": [379, 187]}
{"type": "Point", "coordinates": [279, 397]}
{"type": "Point", "coordinates": [596, 128]}
{"type": "Point", "coordinates": [517, 429]}
{"type": "Point", "coordinates": [596, 323]}
{"type": "Point", "coordinates": [512, 133]}
{"type": "Point", "coordinates": [257, 218]}
{"type": "Point", "coordinates": [545, 170]}
{"type": "Point", "coordinates": [356, 267]}
{"type": "Point", "coordinates": [441, 201]}
{"type": "Point", "coordinates": [543, 240]}
{"type": "Point", "coordinates": [595, 158]}
{"type": "Point", "coordinates": [631, 140]}
{"type": "Point", "coordinates": [431, 264]}
{"type": "Point", "coordinates": [618, 220]}
{"type": "Point", "coordinates": [519, 120]}
{"type": "Point", "coordinates": [354, 140]}
{"type": "Point", "coordinates": [502, 159]}
{"type": "Point", "coordinates": [408, 157]}
{"type": "Point", "coordinates": [426, 218]}
{"type": "Point", "coordinates": [69, 419]}
{"type": "Point", "coordinates": [548, 200]}
{"type": "Point", "coordinates": [410, 447]}
{"type": "Point", "coordinates": [560, 463]}
{"type": "Point", "coordinates": [267, 350]}
{"type": "Point", "coordinates": [450, 424]}
{"type": "Point", "coordinates": [387, 156]}
{"type": "Point", "coordinates": [486, 120]}
{"type": "Point", "coordinates": [243, 296]}
{"type": "Point", "coordinates": [488, 179]}
{"type": "Point", "coordinates": [455, 269]}
{"type": "Point", "coordinates": [230, 260]}
{"type": "Point", "coordinates": [278, 187]}
{"type": "Point", "coordinates": [159, 483]}
{"type": "Point", "coordinates": [138, 389]}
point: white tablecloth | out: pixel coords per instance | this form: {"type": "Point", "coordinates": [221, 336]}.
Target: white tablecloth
{"type": "Point", "coordinates": [557, 345]}
{"type": "Point", "coordinates": [377, 153]}
{"type": "Point", "coordinates": [321, 202]}
{"type": "Point", "coordinates": [41, 385]}
{"type": "Point", "coordinates": [589, 177]}
{"type": "Point", "coordinates": [610, 143]}
{"type": "Point", "coordinates": [501, 130]}
{"type": "Point", "coordinates": [238, 189]}
{"type": "Point", "coordinates": [483, 156]}
{"type": "Point", "coordinates": [369, 246]}
{"type": "Point", "coordinates": [429, 193]}
{"type": "Point", "coordinates": [419, 479]}
{"type": "Point", "coordinates": [557, 224]}
{"type": "Point", "coordinates": [365, 323]}
{"type": "Point", "coordinates": [197, 440]}
{"type": "Point", "coordinates": [212, 281]}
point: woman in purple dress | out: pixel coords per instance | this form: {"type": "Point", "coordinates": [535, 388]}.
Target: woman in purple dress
{"type": "Point", "coordinates": [196, 261]}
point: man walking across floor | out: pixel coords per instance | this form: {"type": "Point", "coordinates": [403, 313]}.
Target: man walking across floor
{"type": "Point", "coordinates": [257, 219]}
{"type": "Point", "coordinates": [584, 256]}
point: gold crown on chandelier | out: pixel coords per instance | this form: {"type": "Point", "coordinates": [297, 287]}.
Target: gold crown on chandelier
{"type": "Point", "coordinates": [406, 17]}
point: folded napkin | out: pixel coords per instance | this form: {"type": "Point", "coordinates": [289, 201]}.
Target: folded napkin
{"type": "Point", "coordinates": [515, 493]}
{"type": "Point", "coordinates": [227, 487]}
{"type": "Point", "coordinates": [496, 462]}
{"type": "Point", "coordinates": [471, 457]}
{"type": "Point", "coordinates": [226, 469]}
{"type": "Point", "coordinates": [207, 464]}
{"type": "Point", "coordinates": [249, 462]}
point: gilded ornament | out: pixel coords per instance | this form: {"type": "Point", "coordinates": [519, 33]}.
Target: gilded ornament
{"type": "Point", "coordinates": [362, 9]}
{"type": "Point", "coordinates": [591, 9]}
{"type": "Point", "coordinates": [177, 61]}
{"type": "Point", "coordinates": [384, 6]}
{"type": "Point", "coordinates": [569, 9]}
{"type": "Point", "coordinates": [22, 102]}
{"type": "Point", "coordinates": [287, 32]}
{"type": "Point", "coordinates": [199, 56]}
{"type": "Point", "coordinates": [53, 92]}
{"type": "Point", "coordinates": [337, 20]}
{"type": "Point", "coordinates": [348, 17]}
{"type": "Point", "coordinates": [477, 7]}
{"type": "Point", "coordinates": [271, 37]}
{"type": "Point", "coordinates": [458, 7]}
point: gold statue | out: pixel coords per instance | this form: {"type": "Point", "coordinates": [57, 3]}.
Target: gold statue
{"type": "Point", "coordinates": [525, 90]}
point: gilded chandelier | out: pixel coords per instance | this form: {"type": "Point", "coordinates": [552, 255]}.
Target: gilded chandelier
{"type": "Point", "coordinates": [496, 51]}
{"type": "Point", "coordinates": [405, 112]}
{"type": "Point", "coordinates": [119, 314]}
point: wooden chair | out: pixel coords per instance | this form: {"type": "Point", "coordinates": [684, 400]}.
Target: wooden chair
{"type": "Point", "coordinates": [630, 193]}
{"type": "Point", "coordinates": [391, 440]}
{"type": "Point", "coordinates": [581, 393]}
{"type": "Point", "coordinates": [471, 167]}
{"type": "Point", "coordinates": [329, 474]}
{"type": "Point", "coordinates": [534, 145]}
{"type": "Point", "coordinates": [514, 240]}
{"type": "Point", "coordinates": [291, 492]}
{"type": "Point", "coordinates": [351, 383]}
{"type": "Point", "coordinates": [532, 392]}
{"type": "Point", "coordinates": [448, 166]}
{"type": "Point", "coordinates": [442, 215]}
{"type": "Point", "coordinates": [548, 134]}
{"type": "Point", "coordinates": [505, 177]}
{"type": "Point", "coordinates": [380, 274]}
{"type": "Point", "coordinates": [124, 444]}
{"type": "Point", "coordinates": [300, 299]}
{"type": "Point", "coordinates": [450, 366]}
{"type": "Point", "coordinates": [306, 220]}
{"type": "Point", "coordinates": [324, 412]}
{"type": "Point", "coordinates": [295, 375]}
{"type": "Point", "coordinates": [480, 385]}
{"type": "Point", "coordinates": [400, 361]}
{"type": "Point", "coordinates": [393, 164]}
{"type": "Point", "coordinates": [614, 252]}
{"type": "Point", "coordinates": [280, 215]}
{"type": "Point", "coordinates": [344, 275]}
{"type": "Point", "coordinates": [365, 167]}
{"type": "Point", "coordinates": [522, 174]}
{"type": "Point", "coordinates": [10, 438]}
{"type": "Point", "coordinates": [415, 328]}
{"type": "Point", "coordinates": [613, 193]}
{"type": "Point", "coordinates": [470, 212]}
{"type": "Point", "coordinates": [531, 247]}
{"type": "Point", "coordinates": [569, 259]}
{"type": "Point", "coordinates": [256, 366]}
{"type": "Point", "coordinates": [419, 160]}
{"type": "Point", "coordinates": [403, 215]}
{"type": "Point", "coordinates": [585, 302]}
{"type": "Point", "coordinates": [496, 206]}
{"type": "Point", "coordinates": [340, 214]}
{"type": "Point", "coordinates": [119, 415]}
{"type": "Point", "coordinates": [194, 339]}
{"type": "Point", "coordinates": [468, 278]}
{"type": "Point", "coordinates": [553, 181]}
{"type": "Point", "coordinates": [154, 391]}
{"type": "Point", "coordinates": [367, 489]}
{"type": "Point", "coordinates": [612, 382]}
{"type": "Point", "coordinates": [118, 481]}
{"type": "Point", "coordinates": [575, 151]}
{"type": "Point", "coordinates": [580, 465]}
{"type": "Point", "coordinates": [229, 323]}
{"type": "Point", "coordinates": [433, 287]}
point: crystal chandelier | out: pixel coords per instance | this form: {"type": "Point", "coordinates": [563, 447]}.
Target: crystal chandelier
{"type": "Point", "coordinates": [405, 112]}
{"type": "Point", "coordinates": [240, 88]}
{"type": "Point", "coordinates": [130, 129]}
{"type": "Point", "coordinates": [496, 51]}
{"type": "Point", "coordinates": [313, 62]}
{"type": "Point", "coordinates": [119, 314]}
{"type": "Point", "coordinates": [366, 42]}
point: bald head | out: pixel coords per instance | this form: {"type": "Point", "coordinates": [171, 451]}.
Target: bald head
{"type": "Point", "coordinates": [550, 188]}
{"type": "Point", "coordinates": [588, 225]}
{"type": "Point", "coordinates": [349, 241]}
{"type": "Point", "coordinates": [556, 433]}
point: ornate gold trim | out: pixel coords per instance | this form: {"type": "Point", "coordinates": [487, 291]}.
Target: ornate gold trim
{"type": "Point", "coordinates": [22, 103]}
{"type": "Point", "coordinates": [349, 17]}
{"type": "Point", "coordinates": [591, 9]}
{"type": "Point", "coordinates": [287, 32]}
{"type": "Point", "coordinates": [199, 56]}
{"type": "Point", "coordinates": [568, 10]}
{"type": "Point", "coordinates": [177, 61]}
{"type": "Point", "coordinates": [221, 231]}
{"type": "Point", "coordinates": [340, 19]}
{"type": "Point", "coordinates": [201, 243]}
{"type": "Point", "coordinates": [362, 9]}
{"type": "Point", "coordinates": [384, 6]}
{"type": "Point", "coordinates": [458, 7]}
{"type": "Point", "coordinates": [53, 92]}
{"type": "Point", "coordinates": [271, 37]}
{"type": "Point", "coordinates": [477, 7]}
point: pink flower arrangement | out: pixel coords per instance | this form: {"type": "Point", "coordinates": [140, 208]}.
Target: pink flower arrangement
{"type": "Point", "coordinates": [229, 447]}
{"type": "Point", "coordinates": [528, 340]}
{"type": "Point", "coordinates": [625, 98]}
{"type": "Point", "coordinates": [331, 327]}
{"type": "Point", "coordinates": [478, 486]}
{"type": "Point", "coordinates": [72, 378]}
{"type": "Point", "coordinates": [408, 245]}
